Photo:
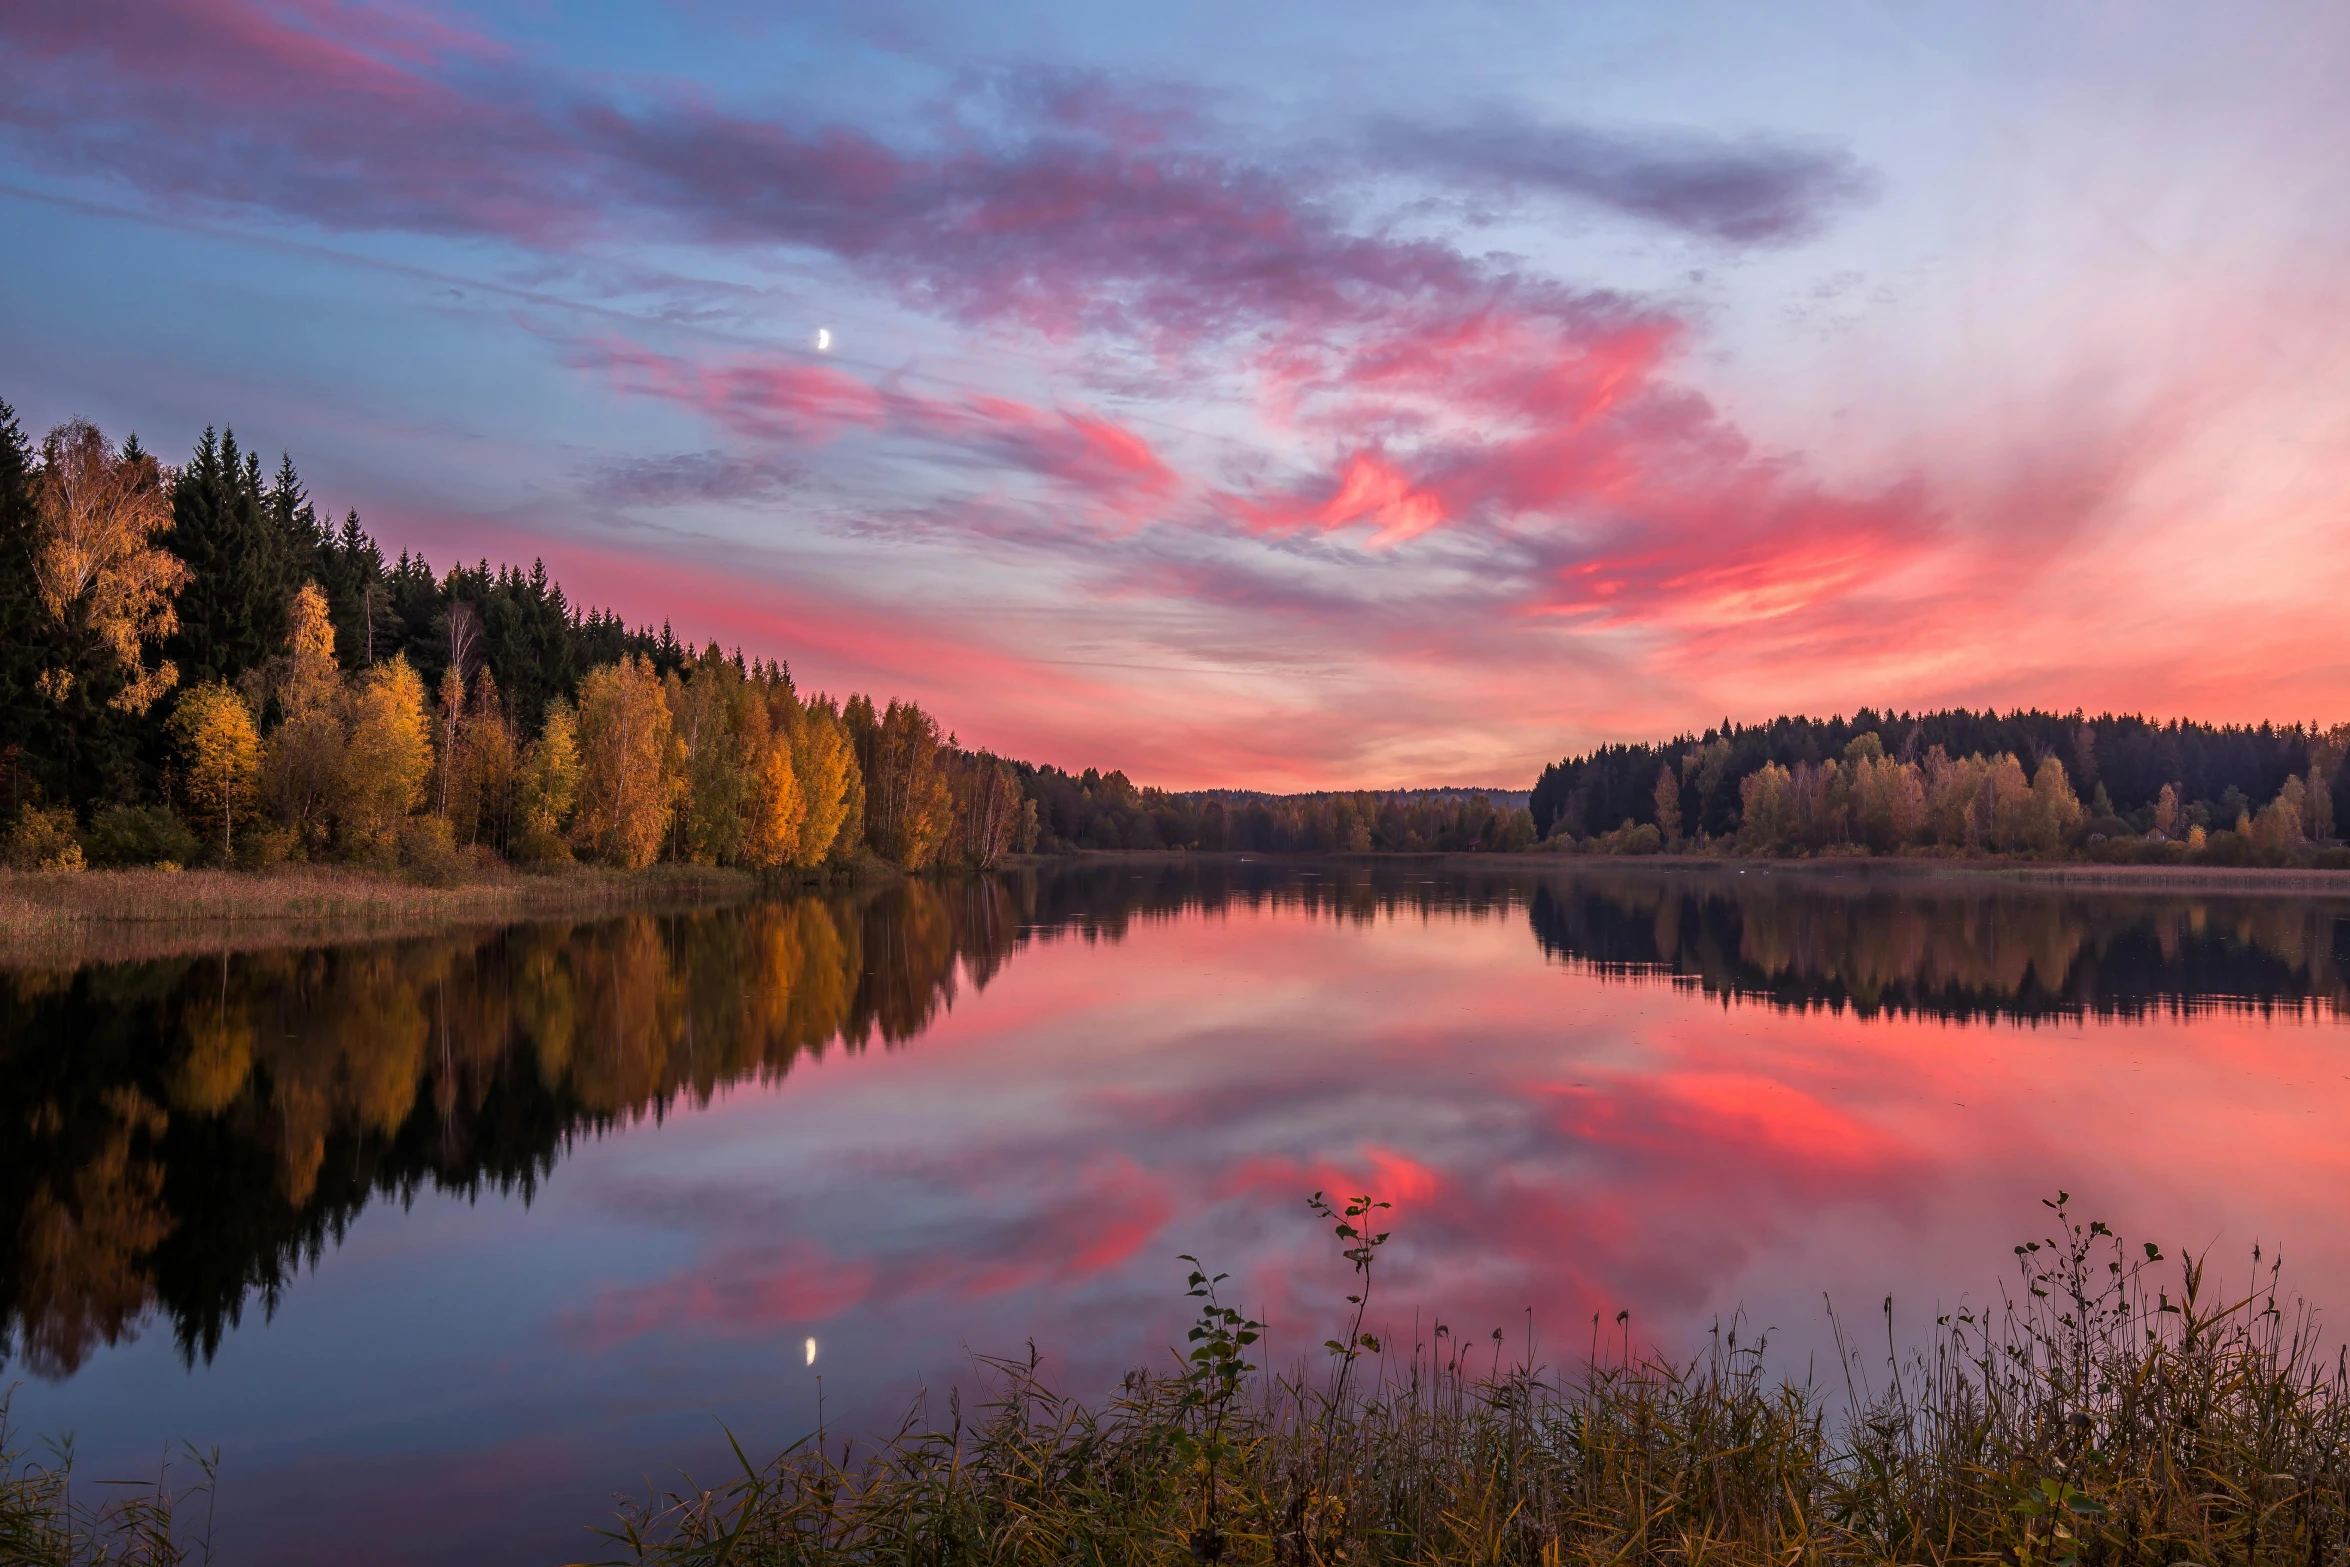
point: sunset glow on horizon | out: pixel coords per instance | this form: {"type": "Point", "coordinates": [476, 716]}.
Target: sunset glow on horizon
{"type": "Point", "coordinates": [1313, 398]}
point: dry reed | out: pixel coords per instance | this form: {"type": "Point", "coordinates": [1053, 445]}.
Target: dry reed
{"type": "Point", "coordinates": [71, 918]}
{"type": "Point", "coordinates": [2099, 1416]}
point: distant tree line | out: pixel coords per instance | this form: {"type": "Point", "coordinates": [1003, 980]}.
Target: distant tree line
{"type": "Point", "coordinates": [1107, 811]}
{"type": "Point", "coordinates": [1956, 781]}
{"type": "Point", "coordinates": [195, 666]}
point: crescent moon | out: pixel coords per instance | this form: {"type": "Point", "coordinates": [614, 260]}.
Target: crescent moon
{"type": "Point", "coordinates": [824, 340]}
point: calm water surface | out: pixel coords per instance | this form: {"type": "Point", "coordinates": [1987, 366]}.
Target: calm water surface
{"type": "Point", "coordinates": [444, 1242]}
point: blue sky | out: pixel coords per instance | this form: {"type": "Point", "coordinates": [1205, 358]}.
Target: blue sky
{"type": "Point", "coordinates": [1252, 395]}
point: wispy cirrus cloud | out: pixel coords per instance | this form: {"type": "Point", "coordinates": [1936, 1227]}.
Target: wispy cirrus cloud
{"type": "Point", "coordinates": [686, 478]}
{"type": "Point", "coordinates": [1220, 400]}
{"type": "Point", "coordinates": [1755, 191]}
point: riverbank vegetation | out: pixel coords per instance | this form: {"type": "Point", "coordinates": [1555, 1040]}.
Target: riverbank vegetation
{"type": "Point", "coordinates": [2112, 1405]}
{"type": "Point", "coordinates": [53, 921]}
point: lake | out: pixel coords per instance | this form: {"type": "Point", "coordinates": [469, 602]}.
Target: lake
{"type": "Point", "coordinates": [443, 1242]}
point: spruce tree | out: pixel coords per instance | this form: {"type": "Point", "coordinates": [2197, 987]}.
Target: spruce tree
{"type": "Point", "coordinates": [233, 611]}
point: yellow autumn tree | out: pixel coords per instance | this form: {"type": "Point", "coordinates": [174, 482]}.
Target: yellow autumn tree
{"type": "Point", "coordinates": [1766, 799]}
{"type": "Point", "coordinates": [2055, 811]}
{"type": "Point", "coordinates": [482, 796]}
{"type": "Point", "coordinates": [104, 581]}
{"type": "Point", "coordinates": [220, 757]}
{"type": "Point", "coordinates": [387, 760]}
{"type": "Point", "coordinates": [775, 810]}
{"type": "Point", "coordinates": [1668, 804]}
{"type": "Point", "coordinates": [719, 717]}
{"type": "Point", "coordinates": [908, 808]}
{"type": "Point", "coordinates": [547, 788]}
{"type": "Point", "coordinates": [626, 789]}
{"type": "Point", "coordinates": [302, 763]}
{"type": "Point", "coordinates": [824, 764]}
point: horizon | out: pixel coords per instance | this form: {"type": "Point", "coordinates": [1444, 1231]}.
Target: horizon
{"type": "Point", "coordinates": [1135, 401]}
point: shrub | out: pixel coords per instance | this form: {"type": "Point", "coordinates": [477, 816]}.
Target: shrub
{"type": "Point", "coordinates": [43, 840]}
{"type": "Point", "coordinates": [1630, 839]}
{"type": "Point", "coordinates": [139, 835]}
{"type": "Point", "coordinates": [429, 850]}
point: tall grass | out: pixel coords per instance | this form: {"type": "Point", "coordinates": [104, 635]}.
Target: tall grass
{"type": "Point", "coordinates": [118, 915]}
{"type": "Point", "coordinates": [2111, 1408]}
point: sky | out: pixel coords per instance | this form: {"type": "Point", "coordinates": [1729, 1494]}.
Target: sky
{"type": "Point", "coordinates": [1286, 397]}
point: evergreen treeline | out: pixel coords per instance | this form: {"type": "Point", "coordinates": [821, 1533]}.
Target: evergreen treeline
{"type": "Point", "coordinates": [1097, 811]}
{"type": "Point", "coordinates": [194, 665]}
{"type": "Point", "coordinates": [1959, 781]}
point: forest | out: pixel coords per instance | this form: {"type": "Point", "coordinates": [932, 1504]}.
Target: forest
{"type": "Point", "coordinates": [195, 666]}
{"type": "Point", "coordinates": [1958, 782]}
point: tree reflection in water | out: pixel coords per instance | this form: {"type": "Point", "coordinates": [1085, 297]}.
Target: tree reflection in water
{"type": "Point", "coordinates": [192, 1131]}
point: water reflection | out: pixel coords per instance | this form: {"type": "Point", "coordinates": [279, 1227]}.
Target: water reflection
{"type": "Point", "coordinates": [416, 1228]}
{"type": "Point", "coordinates": [195, 1130]}
{"type": "Point", "coordinates": [1945, 950]}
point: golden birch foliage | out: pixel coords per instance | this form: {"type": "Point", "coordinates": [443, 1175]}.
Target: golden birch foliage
{"type": "Point", "coordinates": [388, 759]}
{"type": "Point", "coordinates": [1767, 802]}
{"type": "Point", "coordinates": [1953, 794]}
{"type": "Point", "coordinates": [625, 782]}
{"type": "Point", "coordinates": [547, 789]}
{"type": "Point", "coordinates": [2166, 812]}
{"type": "Point", "coordinates": [43, 840]}
{"type": "Point", "coordinates": [776, 809]}
{"type": "Point", "coordinates": [2319, 822]}
{"type": "Point", "coordinates": [302, 763]}
{"type": "Point", "coordinates": [2009, 795]}
{"type": "Point", "coordinates": [1889, 802]}
{"type": "Point", "coordinates": [96, 565]}
{"type": "Point", "coordinates": [483, 795]}
{"type": "Point", "coordinates": [2055, 813]}
{"type": "Point", "coordinates": [2280, 825]}
{"type": "Point", "coordinates": [720, 721]}
{"type": "Point", "coordinates": [824, 763]}
{"type": "Point", "coordinates": [448, 733]}
{"type": "Point", "coordinates": [909, 809]}
{"type": "Point", "coordinates": [220, 756]}
{"type": "Point", "coordinates": [988, 812]}
{"type": "Point", "coordinates": [1668, 805]}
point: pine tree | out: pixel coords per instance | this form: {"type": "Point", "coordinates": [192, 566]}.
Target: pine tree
{"type": "Point", "coordinates": [232, 611]}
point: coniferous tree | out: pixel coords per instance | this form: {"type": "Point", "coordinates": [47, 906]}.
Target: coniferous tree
{"type": "Point", "coordinates": [232, 611]}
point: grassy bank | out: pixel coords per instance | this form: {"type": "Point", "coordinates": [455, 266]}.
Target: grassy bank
{"type": "Point", "coordinates": [114, 915]}
{"type": "Point", "coordinates": [2116, 1407]}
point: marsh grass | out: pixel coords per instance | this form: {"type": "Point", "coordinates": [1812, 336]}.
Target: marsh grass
{"type": "Point", "coordinates": [111, 916]}
{"type": "Point", "coordinates": [47, 1521]}
{"type": "Point", "coordinates": [2110, 1407]}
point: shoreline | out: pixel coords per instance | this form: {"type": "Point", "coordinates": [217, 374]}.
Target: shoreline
{"type": "Point", "coordinates": [53, 919]}
{"type": "Point", "coordinates": [2074, 875]}
{"type": "Point", "coordinates": [69, 919]}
